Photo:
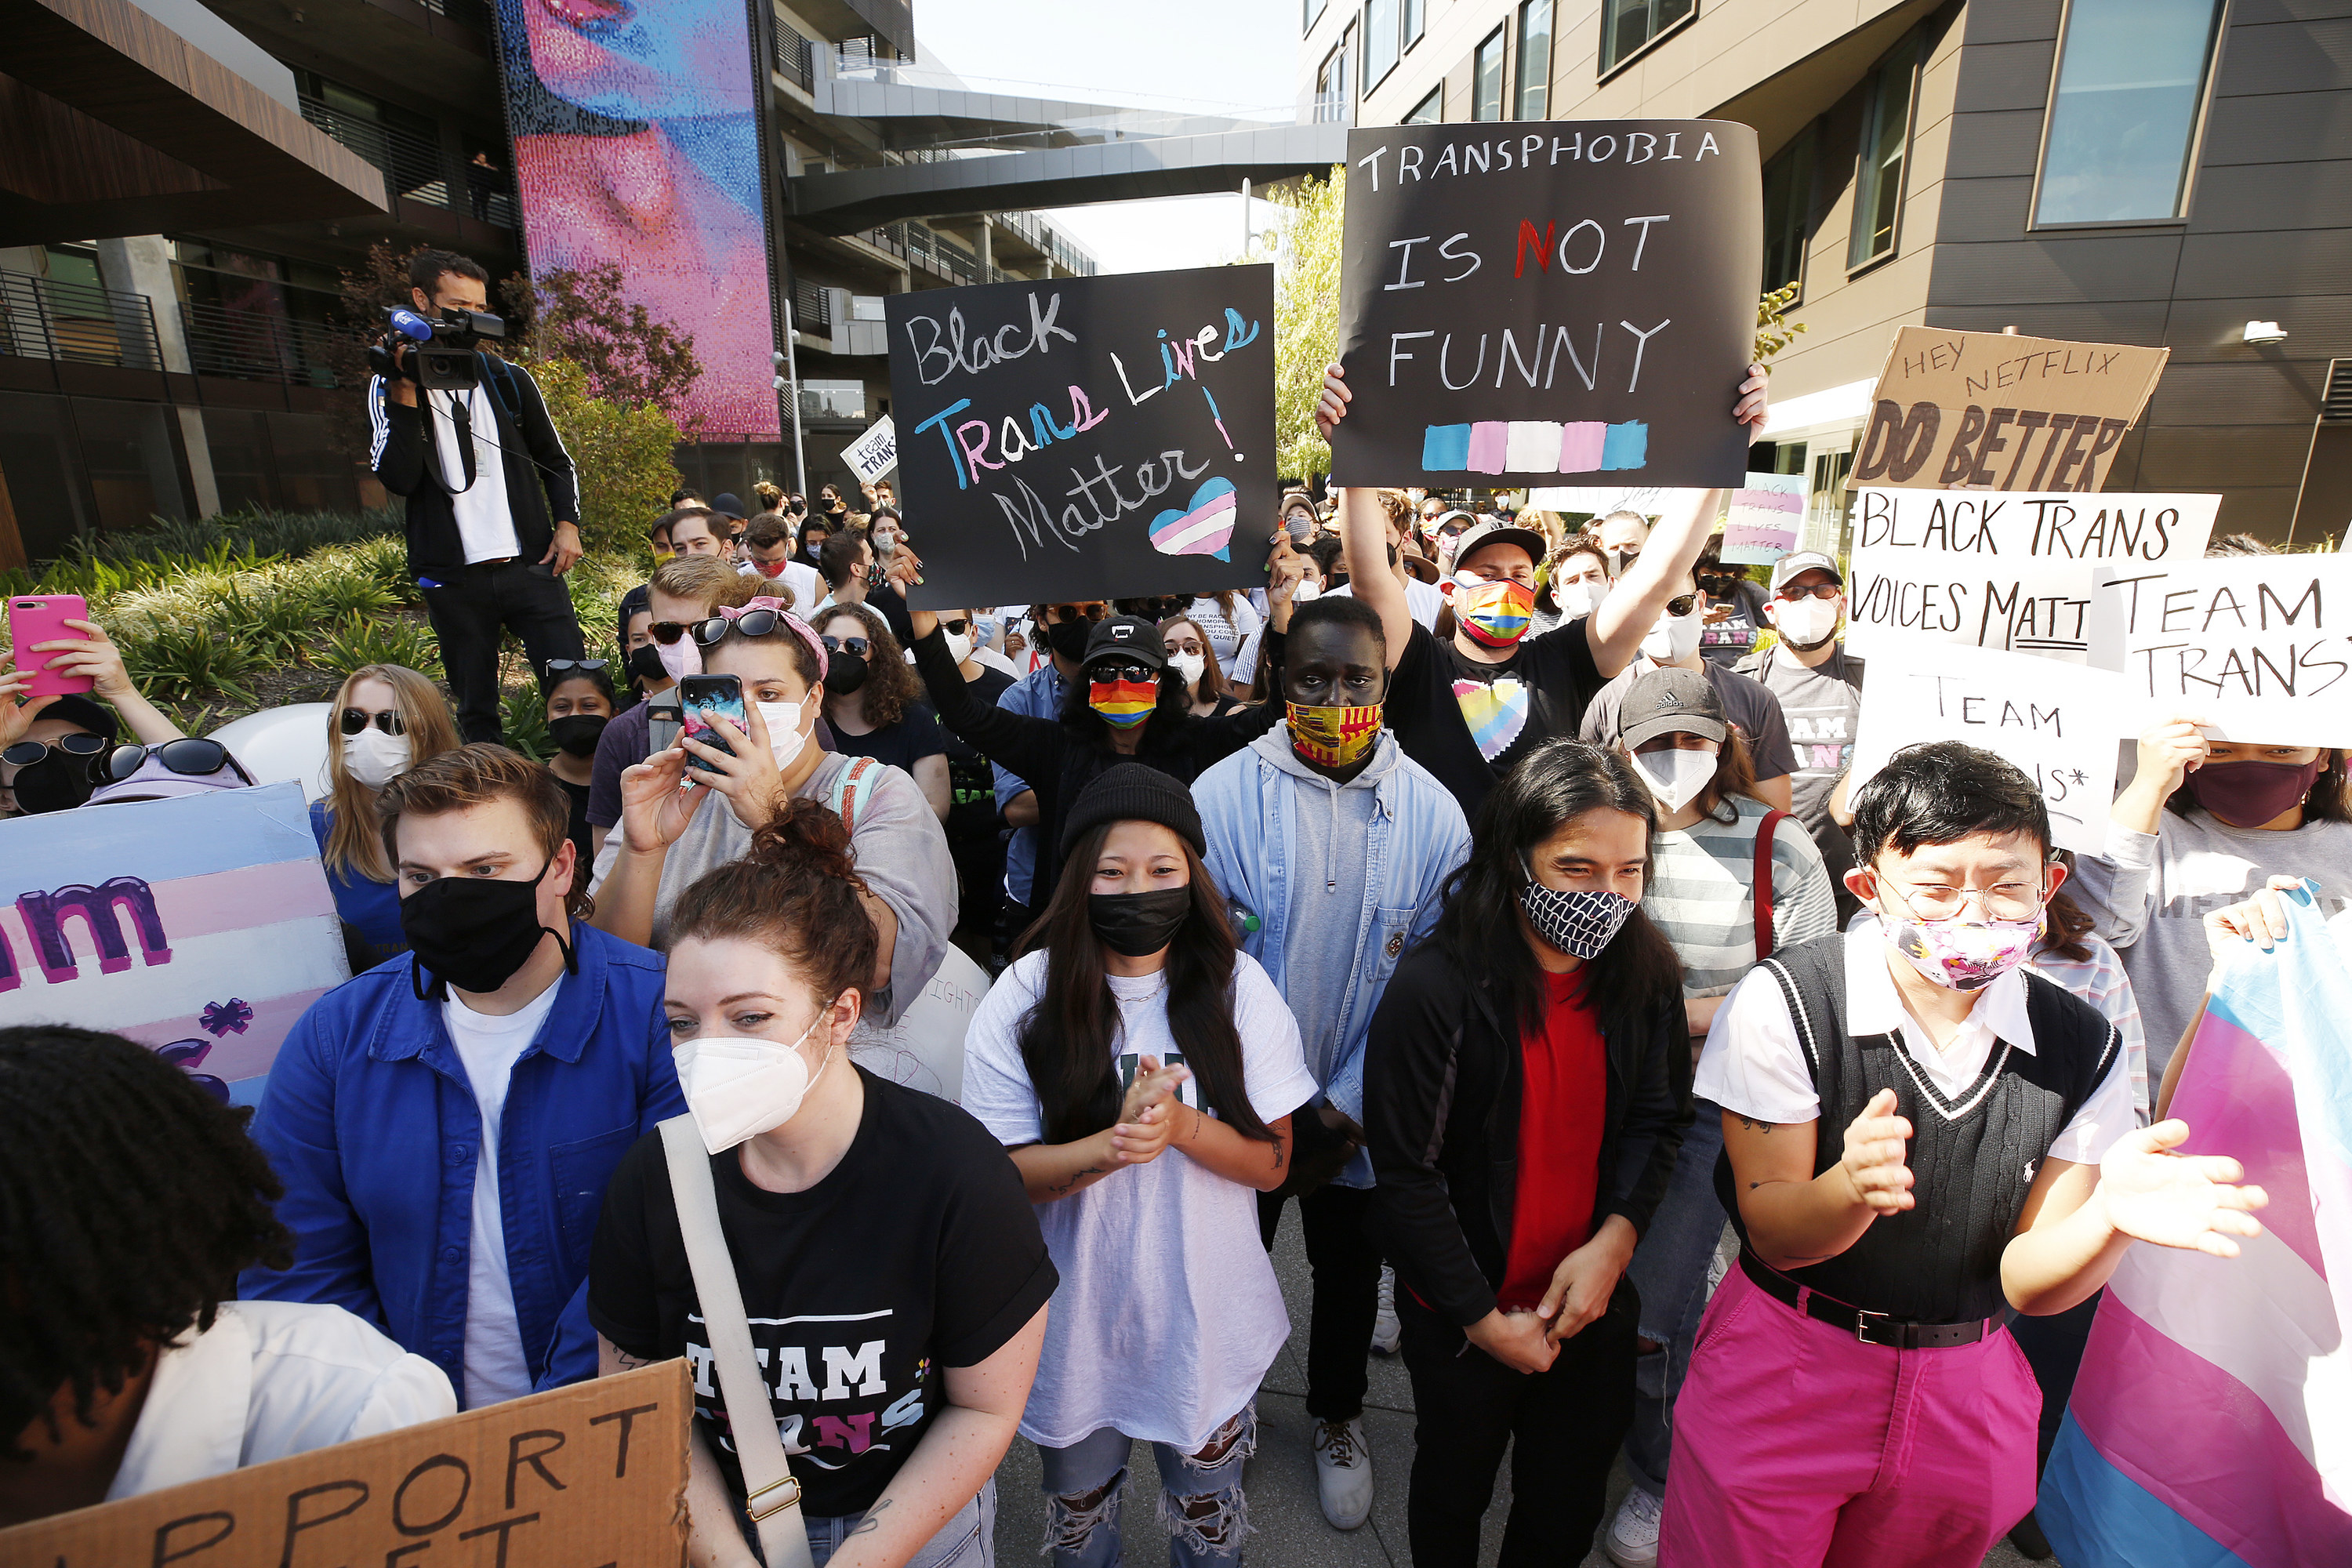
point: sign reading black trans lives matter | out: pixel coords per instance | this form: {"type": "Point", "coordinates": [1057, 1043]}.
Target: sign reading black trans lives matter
{"type": "Point", "coordinates": [1523, 304]}
{"type": "Point", "coordinates": [1087, 439]}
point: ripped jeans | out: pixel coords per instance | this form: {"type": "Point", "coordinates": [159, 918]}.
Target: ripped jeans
{"type": "Point", "coordinates": [1201, 1500]}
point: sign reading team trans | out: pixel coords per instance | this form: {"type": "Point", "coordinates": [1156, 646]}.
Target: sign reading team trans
{"type": "Point", "coordinates": [1088, 439]}
{"type": "Point", "coordinates": [1989, 411]}
{"type": "Point", "coordinates": [1526, 303]}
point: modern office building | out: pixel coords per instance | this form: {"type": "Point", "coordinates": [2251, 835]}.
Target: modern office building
{"type": "Point", "coordinates": [2173, 173]}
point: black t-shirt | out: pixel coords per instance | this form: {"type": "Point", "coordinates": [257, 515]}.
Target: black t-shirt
{"type": "Point", "coordinates": [970, 780]}
{"type": "Point", "coordinates": [1470, 723]}
{"type": "Point", "coordinates": [914, 736]}
{"type": "Point", "coordinates": [918, 1252]}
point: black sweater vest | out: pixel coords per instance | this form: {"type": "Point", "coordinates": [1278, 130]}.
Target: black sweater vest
{"type": "Point", "coordinates": [1973, 1158]}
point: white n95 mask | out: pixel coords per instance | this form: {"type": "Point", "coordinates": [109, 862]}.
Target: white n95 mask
{"type": "Point", "coordinates": [375, 758]}
{"type": "Point", "coordinates": [1805, 623]}
{"type": "Point", "coordinates": [738, 1087]}
{"type": "Point", "coordinates": [784, 737]}
{"type": "Point", "coordinates": [961, 647]}
{"type": "Point", "coordinates": [1675, 777]}
{"type": "Point", "coordinates": [1675, 637]}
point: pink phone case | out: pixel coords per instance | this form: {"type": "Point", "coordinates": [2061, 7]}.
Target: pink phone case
{"type": "Point", "coordinates": [42, 617]}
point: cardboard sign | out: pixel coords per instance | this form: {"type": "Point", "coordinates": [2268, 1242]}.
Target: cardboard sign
{"type": "Point", "coordinates": [1088, 438]}
{"type": "Point", "coordinates": [2254, 648]}
{"type": "Point", "coordinates": [1766, 512]}
{"type": "Point", "coordinates": [874, 453]}
{"type": "Point", "coordinates": [1987, 411]}
{"type": "Point", "coordinates": [2006, 572]}
{"type": "Point", "coordinates": [199, 927]}
{"type": "Point", "coordinates": [2056, 723]}
{"type": "Point", "coordinates": [924, 1049]}
{"type": "Point", "coordinates": [593, 1474]}
{"type": "Point", "coordinates": [1523, 301]}
{"type": "Point", "coordinates": [1599, 500]}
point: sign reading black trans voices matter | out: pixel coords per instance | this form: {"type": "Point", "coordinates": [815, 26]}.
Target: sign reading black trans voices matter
{"type": "Point", "coordinates": [1521, 304]}
{"type": "Point", "coordinates": [1087, 439]}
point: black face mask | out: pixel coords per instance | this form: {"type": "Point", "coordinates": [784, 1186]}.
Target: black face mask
{"type": "Point", "coordinates": [58, 782]}
{"type": "Point", "coordinates": [844, 673]}
{"type": "Point", "coordinates": [577, 733]}
{"type": "Point", "coordinates": [474, 932]}
{"type": "Point", "coordinates": [646, 665]}
{"type": "Point", "coordinates": [1068, 639]}
{"type": "Point", "coordinates": [1138, 925]}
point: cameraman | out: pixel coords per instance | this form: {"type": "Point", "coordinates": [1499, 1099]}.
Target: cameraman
{"type": "Point", "coordinates": [482, 486]}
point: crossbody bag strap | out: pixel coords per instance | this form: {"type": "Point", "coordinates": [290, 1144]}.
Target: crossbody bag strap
{"type": "Point", "coordinates": [1762, 891]}
{"type": "Point", "coordinates": [773, 1498]}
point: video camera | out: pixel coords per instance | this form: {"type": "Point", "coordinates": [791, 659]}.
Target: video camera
{"type": "Point", "coordinates": [440, 355]}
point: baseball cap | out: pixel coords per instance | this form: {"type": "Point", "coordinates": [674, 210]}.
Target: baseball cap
{"type": "Point", "coordinates": [83, 712]}
{"type": "Point", "coordinates": [1130, 636]}
{"type": "Point", "coordinates": [1803, 560]}
{"type": "Point", "coordinates": [1667, 699]}
{"type": "Point", "coordinates": [1486, 533]}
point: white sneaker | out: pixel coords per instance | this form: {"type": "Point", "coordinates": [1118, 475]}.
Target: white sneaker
{"type": "Point", "coordinates": [1386, 1331]}
{"type": "Point", "coordinates": [1343, 1472]}
{"type": "Point", "coordinates": [1633, 1540]}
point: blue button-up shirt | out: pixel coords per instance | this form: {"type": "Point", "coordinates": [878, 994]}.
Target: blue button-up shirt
{"type": "Point", "coordinates": [1037, 694]}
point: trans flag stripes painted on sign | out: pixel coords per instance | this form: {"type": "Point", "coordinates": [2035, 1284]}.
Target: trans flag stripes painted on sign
{"type": "Point", "coordinates": [1205, 528]}
{"type": "Point", "coordinates": [1535, 447]}
{"type": "Point", "coordinates": [2211, 1422]}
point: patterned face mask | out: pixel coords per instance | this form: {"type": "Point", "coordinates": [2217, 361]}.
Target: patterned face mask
{"type": "Point", "coordinates": [1124, 703]}
{"type": "Point", "coordinates": [1334, 737]}
{"type": "Point", "coordinates": [1580, 924]}
{"type": "Point", "coordinates": [1959, 953]}
{"type": "Point", "coordinates": [1496, 614]}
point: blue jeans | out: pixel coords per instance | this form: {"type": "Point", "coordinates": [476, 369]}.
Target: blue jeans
{"type": "Point", "coordinates": [968, 1540]}
{"type": "Point", "coordinates": [1201, 1498]}
{"type": "Point", "coordinates": [1669, 1269]}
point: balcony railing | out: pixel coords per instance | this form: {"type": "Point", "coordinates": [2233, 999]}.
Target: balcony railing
{"type": "Point", "coordinates": [249, 345]}
{"type": "Point", "coordinates": [49, 317]}
{"type": "Point", "coordinates": [412, 165]}
{"type": "Point", "coordinates": [811, 309]}
{"type": "Point", "coordinates": [943, 256]}
{"type": "Point", "coordinates": [794, 60]}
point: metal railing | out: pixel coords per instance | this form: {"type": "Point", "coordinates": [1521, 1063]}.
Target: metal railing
{"type": "Point", "coordinates": [1043, 236]}
{"type": "Point", "coordinates": [935, 252]}
{"type": "Point", "coordinates": [811, 309]}
{"type": "Point", "coordinates": [795, 60]}
{"type": "Point", "coordinates": [250, 345]}
{"type": "Point", "coordinates": [413, 165]}
{"type": "Point", "coordinates": [49, 317]}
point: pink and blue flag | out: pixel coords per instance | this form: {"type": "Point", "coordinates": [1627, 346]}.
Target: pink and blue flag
{"type": "Point", "coordinates": [2211, 1425]}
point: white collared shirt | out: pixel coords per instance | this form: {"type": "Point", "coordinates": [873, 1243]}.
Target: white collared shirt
{"type": "Point", "coordinates": [485, 525]}
{"type": "Point", "coordinates": [270, 1380]}
{"type": "Point", "coordinates": [1754, 1064]}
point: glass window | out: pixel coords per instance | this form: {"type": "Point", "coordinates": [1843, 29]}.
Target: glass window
{"type": "Point", "coordinates": [1787, 212]}
{"type": "Point", "coordinates": [1430, 110]}
{"type": "Point", "coordinates": [1415, 19]}
{"type": "Point", "coordinates": [2131, 81]}
{"type": "Point", "coordinates": [842, 400]}
{"type": "Point", "coordinates": [1313, 13]}
{"type": "Point", "coordinates": [1628, 25]}
{"type": "Point", "coordinates": [1487, 78]}
{"type": "Point", "coordinates": [1380, 40]}
{"type": "Point", "coordinates": [1335, 97]}
{"type": "Point", "coordinates": [1886, 141]}
{"type": "Point", "coordinates": [1535, 58]}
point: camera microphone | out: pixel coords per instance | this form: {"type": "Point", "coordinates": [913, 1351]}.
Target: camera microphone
{"type": "Point", "coordinates": [409, 324]}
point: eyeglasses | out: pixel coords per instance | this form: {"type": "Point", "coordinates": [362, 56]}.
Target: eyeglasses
{"type": "Point", "coordinates": [25, 753]}
{"type": "Point", "coordinates": [390, 722]}
{"type": "Point", "coordinates": [855, 648]}
{"type": "Point", "coordinates": [582, 665]}
{"type": "Point", "coordinates": [957, 627]}
{"type": "Point", "coordinates": [1817, 591]}
{"type": "Point", "coordinates": [1682, 604]}
{"type": "Point", "coordinates": [750, 623]}
{"type": "Point", "coordinates": [190, 756]}
{"type": "Point", "coordinates": [2006, 901]}
{"type": "Point", "coordinates": [1136, 673]}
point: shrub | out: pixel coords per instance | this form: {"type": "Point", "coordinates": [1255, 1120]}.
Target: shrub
{"type": "Point", "coordinates": [181, 663]}
{"type": "Point", "coordinates": [622, 455]}
{"type": "Point", "coordinates": [380, 639]}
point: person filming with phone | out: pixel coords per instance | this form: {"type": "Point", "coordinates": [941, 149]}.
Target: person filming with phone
{"type": "Point", "coordinates": [493, 501]}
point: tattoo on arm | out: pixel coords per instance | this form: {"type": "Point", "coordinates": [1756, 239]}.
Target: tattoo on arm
{"type": "Point", "coordinates": [631, 1361]}
{"type": "Point", "coordinates": [872, 1521]}
{"type": "Point", "coordinates": [1075, 1178]}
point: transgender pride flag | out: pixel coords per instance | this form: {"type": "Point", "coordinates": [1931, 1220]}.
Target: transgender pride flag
{"type": "Point", "coordinates": [2211, 1422]}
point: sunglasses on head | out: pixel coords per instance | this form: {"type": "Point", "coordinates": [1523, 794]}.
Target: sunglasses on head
{"type": "Point", "coordinates": [190, 756]}
{"type": "Point", "coordinates": [750, 623]}
{"type": "Point", "coordinates": [857, 648]}
{"type": "Point", "coordinates": [25, 753]}
{"type": "Point", "coordinates": [583, 665]}
{"type": "Point", "coordinates": [355, 719]}
{"type": "Point", "coordinates": [1135, 673]}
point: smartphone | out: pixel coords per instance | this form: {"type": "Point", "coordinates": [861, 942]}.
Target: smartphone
{"type": "Point", "coordinates": [701, 697]}
{"type": "Point", "coordinates": [665, 721]}
{"type": "Point", "coordinates": [42, 617]}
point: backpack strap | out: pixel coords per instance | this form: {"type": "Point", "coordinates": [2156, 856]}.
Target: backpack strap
{"type": "Point", "coordinates": [852, 788]}
{"type": "Point", "coordinates": [1762, 892]}
{"type": "Point", "coordinates": [500, 376]}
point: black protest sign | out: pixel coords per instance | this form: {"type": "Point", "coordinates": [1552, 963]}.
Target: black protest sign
{"type": "Point", "coordinates": [1524, 303]}
{"type": "Point", "coordinates": [1087, 439]}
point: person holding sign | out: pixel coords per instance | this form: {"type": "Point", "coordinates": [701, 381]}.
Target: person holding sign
{"type": "Point", "coordinates": [1918, 1134]}
{"type": "Point", "coordinates": [1470, 709]}
{"type": "Point", "coordinates": [1819, 685]}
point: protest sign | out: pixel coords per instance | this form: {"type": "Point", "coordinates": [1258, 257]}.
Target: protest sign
{"type": "Point", "coordinates": [1766, 512]}
{"type": "Point", "coordinates": [1992, 411]}
{"type": "Point", "coordinates": [199, 927]}
{"type": "Point", "coordinates": [1087, 438]}
{"type": "Point", "coordinates": [1599, 500]}
{"type": "Point", "coordinates": [593, 1474]}
{"type": "Point", "coordinates": [2004, 571]}
{"type": "Point", "coordinates": [2254, 647]}
{"type": "Point", "coordinates": [1522, 301]}
{"type": "Point", "coordinates": [874, 453]}
{"type": "Point", "coordinates": [2055, 723]}
{"type": "Point", "coordinates": [924, 1049]}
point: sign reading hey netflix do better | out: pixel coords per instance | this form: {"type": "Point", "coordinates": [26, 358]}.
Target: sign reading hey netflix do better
{"type": "Point", "coordinates": [1522, 303]}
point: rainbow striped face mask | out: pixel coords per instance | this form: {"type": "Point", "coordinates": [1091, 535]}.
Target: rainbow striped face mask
{"type": "Point", "coordinates": [1125, 703]}
{"type": "Point", "coordinates": [1496, 614]}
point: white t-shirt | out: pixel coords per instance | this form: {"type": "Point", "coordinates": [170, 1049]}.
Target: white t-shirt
{"type": "Point", "coordinates": [799, 576]}
{"type": "Point", "coordinates": [1754, 1064]}
{"type": "Point", "coordinates": [485, 522]}
{"type": "Point", "coordinates": [496, 1367]}
{"type": "Point", "coordinates": [1422, 600]}
{"type": "Point", "coordinates": [1168, 1313]}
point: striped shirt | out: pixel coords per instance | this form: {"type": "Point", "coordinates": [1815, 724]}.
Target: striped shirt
{"type": "Point", "coordinates": [1701, 894]}
{"type": "Point", "coordinates": [2100, 980]}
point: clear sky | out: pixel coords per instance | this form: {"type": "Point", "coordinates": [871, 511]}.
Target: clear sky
{"type": "Point", "coordinates": [1200, 54]}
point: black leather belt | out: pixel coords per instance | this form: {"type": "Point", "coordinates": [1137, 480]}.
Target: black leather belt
{"type": "Point", "coordinates": [1870, 1327]}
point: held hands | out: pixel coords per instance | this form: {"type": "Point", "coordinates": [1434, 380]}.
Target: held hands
{"type": "Point", "coordinates": [93, 656]}
{"type": "Point", "coordinates": [1873, 1164]}
{"type": "Point", "coordinates": [2170, 751]}
{"type": "Point", "coordinates": [1520, 1341]}
{"type": "Point", "coordinates": [654, 809]}
{"type": "Point", "coordinates": [1332, 406]}
{"type": "Point", "coordinates": [1284, 568]}
{"type": "Point", "coordinates": [2260, 919]}
{"type": "Point", "coordinates": [1147, 1115]}
{"type": "Point", "coordinates": [17, 716]}
{"type": "Point", "coordinates": [2186, 1201]}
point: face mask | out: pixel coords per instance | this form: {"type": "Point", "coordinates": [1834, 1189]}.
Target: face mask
{"type": "Point", "coordinates": [1675, 778]}
{"type": "Point", "coordinates": [1306, 592]}
{"type": "Point", "coordinates": [1961, 953]}
{"type": "Point", "coordinates": [1123, 703]}
{"type": "Point", "coordinates": [1577, 598]}
{"type": "Point", "coordinates": [474, 932]}
{"type": "Point", "coordinates": [771, 568]}
{"type": "Point", "coordinates": [376, 759]}
{"type": "Point", "coordinates": [959, 647]}
{"type": "Point", "coordinates": [1137, 925]}
{"type": "Point", "coordinates": [645, 664]}
{"type": "Point", "coordinates": [738, 1088]}
{"type": "Point", "coordinates": [681, 659]}
{"type": "Point", "coordinates": [885, 544]}
{"type": "Point", "coordinates": [1580, 924]}
{"type": "Point", "coordinates": [814, 550]}
{"type": "Point", "coordinates": [58, 782]}
{"type": "Point", "coordinates": [783, 722]}
{"type": "Point", "coordinates": [845, 672]}
{"type": "Point", "coordinates": [1675, 637]}
{"type": "Point", "coordinates": [577, 733]}
{"type": "Point", "coordinates": [1068, 640]}
{"type": "Point", "coordinates": [2244, 794]}
{"type": "Point", "coordinates": [1189, 666]}
{"type": "Point", "coordinates": [1494, 614]}
{"type": "Point", "coordinates": [1805, 623]}
{"type": "Point", "coordinates": [1334, 737]}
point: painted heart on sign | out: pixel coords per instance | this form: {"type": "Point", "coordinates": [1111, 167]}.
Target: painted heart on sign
{"type": "Point", "coordinates": [1203, 529]}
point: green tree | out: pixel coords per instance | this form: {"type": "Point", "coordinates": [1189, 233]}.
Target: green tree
{"type": "Point", "coordinates": [621, 453]}
{"type": "Point", "coordinates": [1306, 314]}
{"type": "Point", "coordinates": [631, 358]}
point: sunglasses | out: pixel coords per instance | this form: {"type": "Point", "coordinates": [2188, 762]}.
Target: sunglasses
{"type": "Point", "coordinates": [750, 623]}
{"type": "Point", "coordinates": [957, 627]}
{"type": "Point", "coordinates": [857, 648]}
{"type": "Point", "coordinates": [583, 665]}
{"type": "Point", "coordinates": [25, 753]}
{"type": "Point", "coordinates": [1817, 591]}
{"type": "Point", "coordinates": [189, 756]}
{"type": "Point", "coordinates": [1136, 673]}
{"type": "Point", "coordinates": [1682, 604]}
{"type": "Point", "coordinates": [1074, 612]}
{"type": "Point", "coordinates": [353, 721]}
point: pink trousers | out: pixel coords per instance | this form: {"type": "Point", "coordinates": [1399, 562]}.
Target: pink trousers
{"type": "Point", "coordinates": [1797, 1444]}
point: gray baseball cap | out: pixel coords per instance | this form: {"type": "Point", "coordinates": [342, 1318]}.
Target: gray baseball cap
{"type": "Point", "coordinates": [1802, 561]}
{"type": "Point", "coordinates": [1669, 699]}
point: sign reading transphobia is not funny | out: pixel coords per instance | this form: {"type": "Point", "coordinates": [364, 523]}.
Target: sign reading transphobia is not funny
{"type": "Point", "coordinates": [1087, 439]}
{"type": "Point", "coordinates": [1519, 303]}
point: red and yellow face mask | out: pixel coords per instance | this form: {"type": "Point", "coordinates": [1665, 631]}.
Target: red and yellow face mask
{"type": "Point", "coordinates": [1125, 703]}
{"type": "Point", "coordinates": [1334, 737]}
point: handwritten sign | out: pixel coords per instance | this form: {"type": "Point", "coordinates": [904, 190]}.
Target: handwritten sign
{"type": "Point", "coordinates": [924, 1049]}
{"type": "Point", "coordinates": [2254, 647]}
{"type": "Point", "coordinates": [2056, 723]}
{"type": "Point", "coordinates": [1988, 411]}
{"type": "Point", "coordinates": [1088, 439]}
{"type": "Point", "coordinates": [2004, 571]}
{"type": "Point", "coordinates": [1766, 512]}
{"type": "Point", "coordinates": [199, 927]}
{"type": "Point", "coordinates": [591, 1474]}
{"type": "Point", "coordinates": [874, 453]}
{"type": "Point", "coordinates": [1534, 300]}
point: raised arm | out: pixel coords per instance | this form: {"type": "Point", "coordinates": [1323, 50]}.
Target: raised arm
{"type": "Point", "coordinates": [1616, 629]}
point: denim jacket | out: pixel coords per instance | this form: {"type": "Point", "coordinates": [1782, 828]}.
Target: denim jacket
{"type": "Point", "coordinates": [368, 1097]}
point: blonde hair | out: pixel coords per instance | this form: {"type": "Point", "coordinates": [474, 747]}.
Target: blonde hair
{"type": "Point", "coordinates": [354, 846]}
{"type": "Point", "coordinates": [703, 578]}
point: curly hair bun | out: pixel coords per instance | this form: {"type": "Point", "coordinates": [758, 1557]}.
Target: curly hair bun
{"type": "Point", "coordinates": [806, 841]}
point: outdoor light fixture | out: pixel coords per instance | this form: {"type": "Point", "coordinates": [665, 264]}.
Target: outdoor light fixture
{"type": "Point", "coordinates": [2265, 332]}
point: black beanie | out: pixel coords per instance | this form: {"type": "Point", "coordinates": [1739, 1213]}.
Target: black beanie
{"type": "Point", "coordinates": [1133, 793]}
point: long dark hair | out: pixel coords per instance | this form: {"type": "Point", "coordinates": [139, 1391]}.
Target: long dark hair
{"type": "Point", "coordinates": [1638, 973]}
{"type": "Point", "coordinates": [1735, 773]}
{"type": "Point", "coordinates": [1172, 714]}
{"type": "Point", "coordinates": [1065, 1039]}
